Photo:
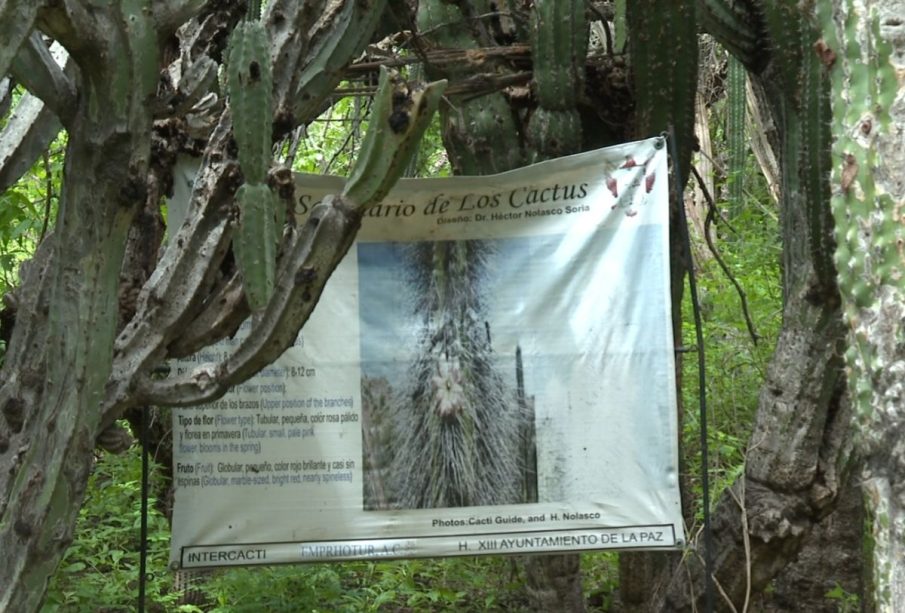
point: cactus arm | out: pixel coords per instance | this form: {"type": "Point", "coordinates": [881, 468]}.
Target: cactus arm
{"type": "Point", "coordinates": [143, 52]}
{"type": "Point", "coordinates": [41, 71]}
{"type": "Point", "coordinates": [17, 17]}
{"type": "Point", "coordinates": [783, 22]}
{"type": "Point", "coordinates": [621, 26]}
{"type": "Point", "coordinates": [734, 25]}
{"type": "Point", "coordinates": [663, 50]}
{"type": "Point", "coordinates": [24, 138]}
{"type": "Point", "coordinates": [311, 253]}
{"type": "Point", "coordinates": [559, 48]}
{"type": "Point", "coordinates": [399, 116]}
{"type": "Point", "coordinates": [324, 60]}
{"type": "Point", "coordinates": [815, 160]}
{"type": "Point", "coordinates": [254, 243]}
{"type": "Point", "coordinates": [225, 311]}
{"type": "Point", "coordinates": [250, 87]}
{"type": "Point", "coordinates": [801, 90]}
{"type": "Point", "coordinates": [736, 99]}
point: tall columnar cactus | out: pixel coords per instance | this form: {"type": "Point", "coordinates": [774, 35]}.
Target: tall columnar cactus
{"type": "Point", "coordinates": [735, 130]}
{"type": "Point", "coordinates": [803, 110]}
{"type": "Point", "coordinates": [663, 47]}
{"type": "Point", "coordinates": [863, 48]}
{"type": "Point", "coordinates": [559, 48]}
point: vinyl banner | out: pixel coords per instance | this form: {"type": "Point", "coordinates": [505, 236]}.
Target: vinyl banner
{"type": "Point", "coordinates": [489, 370]}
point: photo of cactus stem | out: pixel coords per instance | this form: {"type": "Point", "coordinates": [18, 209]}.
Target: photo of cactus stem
{"type": "Point", "coordinates": [446, 422]}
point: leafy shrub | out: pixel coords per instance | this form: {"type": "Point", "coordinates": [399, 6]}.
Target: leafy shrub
{"type": "Point", "coordinates": [99, 572]}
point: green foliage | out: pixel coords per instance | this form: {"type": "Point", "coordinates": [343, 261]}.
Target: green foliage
{"type": "Point", "coordinates": [99, 572]}
{"type": "Point", "coordinates": [600, 574]}
{"type": "Point", "coordinates": [332, 141]}
{"type": "Point", "coordinates": [845, 602]}
{"type": "Point", "coordinates": [735, 365]}
{"type": "Point", "coordinates": [484, 584]}
{"type": "Point", "coordinates": [26, 210]}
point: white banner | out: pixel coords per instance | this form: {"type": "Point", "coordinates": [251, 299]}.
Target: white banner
{"type": "Point", "coordinates": [489, 370]}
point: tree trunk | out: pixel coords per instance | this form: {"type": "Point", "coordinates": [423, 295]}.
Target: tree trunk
{"type": "Point", "coordinates": [830, 562]}
{"type": "Point", "coordinates": [864, 51]}
{"type": "Point", "coordinates": [52, 398]}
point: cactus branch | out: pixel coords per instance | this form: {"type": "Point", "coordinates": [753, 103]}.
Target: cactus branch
{"type": "Point", "coordinates": [17, 17]}
{"type": "Point", "coordinates": [313, 251]}
{"type": "Point", "coordinates": [41, 71]}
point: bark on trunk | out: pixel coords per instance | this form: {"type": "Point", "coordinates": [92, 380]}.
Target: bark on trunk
{"type": "Point", "coordinates": [831, 559]}
{"type": "Point", "coordinates": [54, 420]}
{"type": "Point", "coordinates": [793, 474]}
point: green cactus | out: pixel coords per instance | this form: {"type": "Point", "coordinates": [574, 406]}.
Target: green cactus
{"type": "Point", "coordinates": [559, 48]}
{"type": "Point", "coordinates": [255, 244]}
{"type": "Point", "coordinates": [868, 228]}
{"type": "Point", "coordinates": [250, 86]}
{"type": "Point", "coordinates": [663, 48]}
{"type": "Point", "coordinates": [861, 49]}
{"type": "Point", "coordinates": [399, 111]}
{"type": "Point", "coordinates": [329, 57]}
{"type": "Point", "coordinates": [480, 134]}
{"type": "Point", "coordinates": [621, 25]}
{"type": "Point", "coordinates": [783, 22]}
{"type": "Point", "coordinates": [803, 112]}
{"type": "Point", "coordinates": [735, 130]}
{"type": "Point", "coordinates": [733, 25]}
{"type": "Point", "coordinates": [815, 160]}
{"type": "Point", "coordinates": [552, 134]}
